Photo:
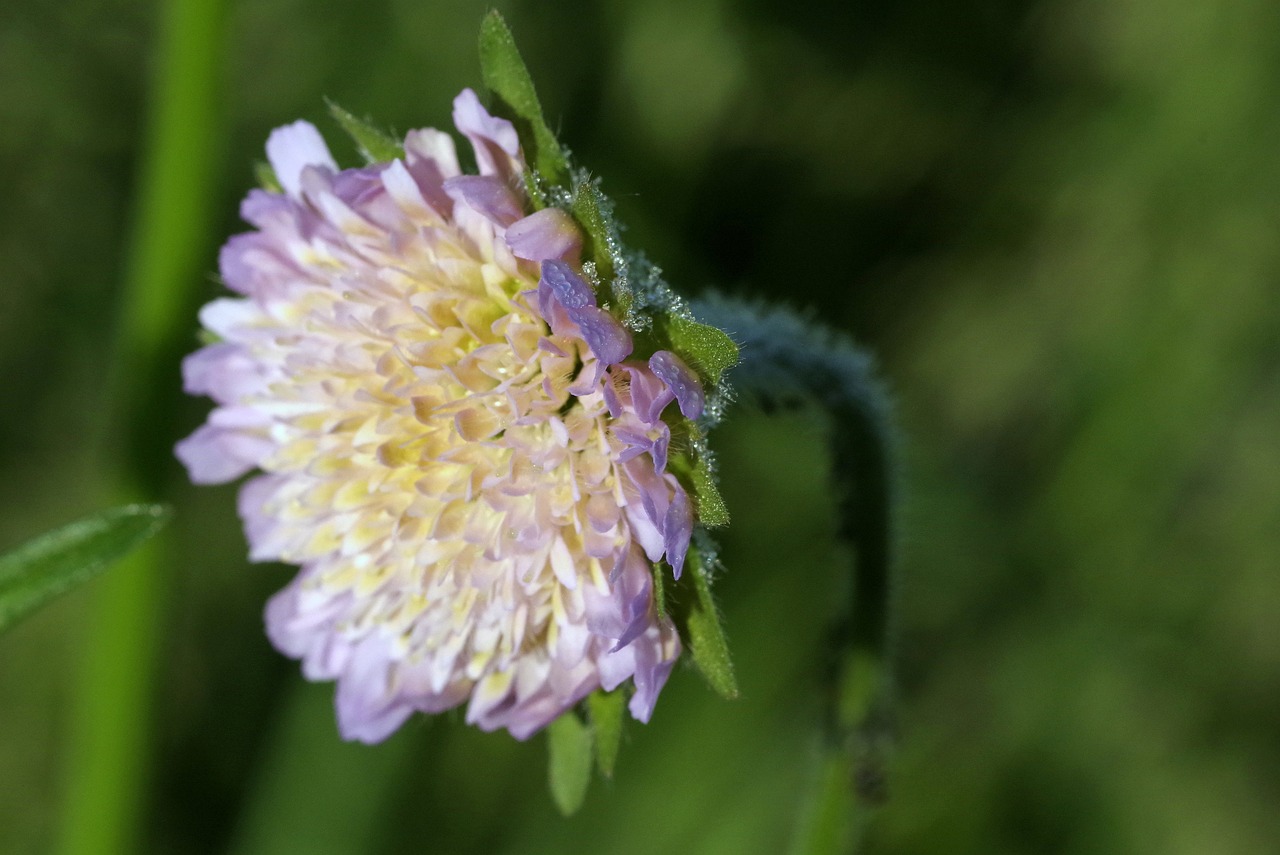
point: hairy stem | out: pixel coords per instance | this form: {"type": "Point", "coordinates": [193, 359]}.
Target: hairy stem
{"type": "Point", "coordinates": [788, 363]}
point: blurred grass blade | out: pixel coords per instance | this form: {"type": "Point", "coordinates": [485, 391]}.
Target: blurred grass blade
{"type": "Point", "coordinates": [111, 742]}
{"type": "Point", "coordinates": [54, 563]}
{"type": "Point", "coordinates": [827, 825]}
{"type": "Point", "coordinates": [569, 762]}
{"type": "Point", "coordinates": [317, 795]}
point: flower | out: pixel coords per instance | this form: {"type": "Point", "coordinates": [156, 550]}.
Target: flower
{"type": "Point", "coordinates": [456, 445]}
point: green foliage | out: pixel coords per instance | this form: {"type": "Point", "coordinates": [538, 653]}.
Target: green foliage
{"type": "Point", "coordinates": [707, 349]}
{"type": "Point", "coordinates": [507, 77]}
{"type": "Point", "coordinates": [696, 614]}
{"type": "Point", "coordinates": [604, 711]}
{"type": "Point", "coordinates": [54, 563]}
{"type": "Point", "coordinates": [374, 144]}
{"type": "Point", "coordinates": [589, 208]}
{"type": "Point", "coordinates": [711, 509]}
{"type": "Point", "coordinates": [569, 762]}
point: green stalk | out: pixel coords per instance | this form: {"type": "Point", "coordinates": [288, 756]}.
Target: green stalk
{"type": "Point", "coordinates": [109, 753]}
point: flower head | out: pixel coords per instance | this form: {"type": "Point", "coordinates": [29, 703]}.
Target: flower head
{"type": "Point", "coordinates": [457, 444]}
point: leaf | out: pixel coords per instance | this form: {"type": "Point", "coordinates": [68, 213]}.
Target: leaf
{"type": "Point", "coordinates": [711, 509]}
{"type": "Point", "coordinates": [588, 208]}
{"type": "Point", "coordinates": [604, 710]}
{"type": "Point", "coordinates": [569, 762]}
{"type": "Point", "coordinates": [709, 648]}
{"type": "Point", "coordinates": [708, 349]}
{"type": "Point", "coordinates": [55, 562]}
{"type": "Point", "coordinates": [504, 72]}
{"type": "Point", "coordinates": [375, 146]}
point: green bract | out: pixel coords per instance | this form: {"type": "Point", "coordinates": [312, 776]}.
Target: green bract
{"type": "Point", "coordinates": [375, 145]}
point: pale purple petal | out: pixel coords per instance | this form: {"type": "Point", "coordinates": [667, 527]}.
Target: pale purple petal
{"type": "Point", "coordinates": [655, 657]}
{"type": "Point", "coordinates": [367, 709]}
{"type": "Point", "coordinates": [260, 528]}
{"type": "Point", "coordinates": [214, 455]}
{"type": "Point", "coordinates": [561, 282]}
{"type": "Point", "coordinates": [253, 265]}
{"type": "Point", "coordinates": [487, 196]}
{"type": "Point", "coordinates": [293, 148]}
{"type": "Point", "coordinates": [677, 528]}
{"type": "Point", "coordinates": [623, 613]}
{"type": "Point", "coordinates": [608, 339]}
{"type": "Point", "coordinates": [496, 144]}
{"type": "Point", "coordinates": [682, 382]}
{"type": "Point", "coordinates": [305, 631]}
{"type": "Point", "coordinates": [431, 159]}
{"type": "Point", "coordinates": [649, 395]}
{"type": "Point", "coordinates": [226, 316]}
{"type": "Point", "coordinates": [271, 212]}
{"type": "Point", "coordinates": [402, 187]}
{"type": "Point", "coordinates": [223, 371]}
{"type": "Point", "coordinates": [549, 234]}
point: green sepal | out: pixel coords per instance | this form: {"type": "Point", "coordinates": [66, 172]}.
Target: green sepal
{"type": "Point", "coordinates": [589, 208]}
{"type": "Point", "coordinates": [266, 177]}
{"type": "Point", "coordinates": [707, 349]}
{"type": "Point", "coordinates": [569, 761]}
{"type": "Point", "coordinates": [58, 561]}
{"type": "Point", "coordinates": [660, 571]}
{"type": "Point", "coordinates": [710, 507]}
{"type": "Point", "coordinates": [699, 622]}
{"type": "Point", "coordinates": [604, 711]}
{"type": "Point", "coordinates": [507, 77]}
{"type": "Point", "coordinates": [694, 469]}
{"type": "Point", "coordinates": [374, 145]}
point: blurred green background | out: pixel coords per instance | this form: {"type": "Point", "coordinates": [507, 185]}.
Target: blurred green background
{"type": "Point", "coordinates": [1055, 220]}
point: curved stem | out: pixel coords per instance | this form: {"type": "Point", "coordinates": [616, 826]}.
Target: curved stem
{"type": "Point", "coordinates": [788, 363]}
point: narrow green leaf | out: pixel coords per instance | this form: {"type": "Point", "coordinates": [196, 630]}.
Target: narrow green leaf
{"type": "Point", "coordinates": [375, 145]}
{"type": "Point", "coordinates": [709, 648]}
{"type": "Point", "coordinates": [55, 562]}
{"type": "Point", "coordinates": [604, 709]}
{"type": "Point", "coordinates": [569, 762]}
{"type": "Point", "coordinates": [506, 75]}
{"type": "Point", "coordinates": [710, 506]}
{"type": "Point", "coordinates": [707, 349]}
{"type": "Point", "coordinates": [588, 208]}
